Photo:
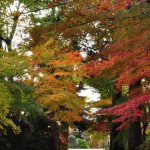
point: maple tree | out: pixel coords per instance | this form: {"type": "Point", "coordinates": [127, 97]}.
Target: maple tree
{"type": "Point", "coordinates": [134, 69]}
{"type": "Point", "coordinates": [56, 70]}
{"type": "Point", "coordinates": [127, 62]}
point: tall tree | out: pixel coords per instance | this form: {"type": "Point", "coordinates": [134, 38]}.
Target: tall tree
{"type": "Point", "coordinates": [127, 61]}
{"type": "Point", "coordinates": [57, 69]}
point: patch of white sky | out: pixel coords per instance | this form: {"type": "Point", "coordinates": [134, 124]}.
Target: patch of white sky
{"type": "Point", "coordinates": [90, 93]}
{"type": "Point", "coordinates": [87, 42]}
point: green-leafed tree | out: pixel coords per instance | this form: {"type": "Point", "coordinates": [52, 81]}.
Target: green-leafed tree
{"type": "Point", "coordinates": [18, 111]}
{"type": "Point", "coordinates": [13, 67]}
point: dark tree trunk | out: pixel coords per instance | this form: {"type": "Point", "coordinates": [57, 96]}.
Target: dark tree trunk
{"type": "Point", "coordinates": [135, 131]}
{"type": "Point", "coordinates": [80, 87]}
{"type": "Point", "coordinates": [135, 135]}
{"type": "Point", "coordinates": [148, 1]}
{"type": "Point", "coordinates": [54, 137]}
{"type": "Point", "coordinates": [145, 124]}
{"type": "Point", "coordinates": [64, 136]}
{"type": "Point", "coordinates": [114, 144]}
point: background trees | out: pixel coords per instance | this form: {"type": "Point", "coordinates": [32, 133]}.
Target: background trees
{"type": "Point", "coordinates": [42, 87]}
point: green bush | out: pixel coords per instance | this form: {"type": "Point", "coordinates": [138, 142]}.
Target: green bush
{"type": "Point", "coordinates": [82, 143]}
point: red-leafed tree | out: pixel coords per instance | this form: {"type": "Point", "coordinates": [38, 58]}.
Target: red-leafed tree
{"type": "Point", "coordinates": [126, 60]}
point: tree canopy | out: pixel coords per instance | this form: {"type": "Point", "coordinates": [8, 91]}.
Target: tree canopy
{"type": "Point", "coordinates": [42, 69]}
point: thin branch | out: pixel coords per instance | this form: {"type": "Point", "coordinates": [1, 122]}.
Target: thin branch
{"type": "Point", "coordinates": [10, 10]}
{"type": "Point", "coordinates": [56, 3]}
{"type": "Point", "coordinates": [81, 24]}
{"type": "Point", "coordinates": [18, 7]}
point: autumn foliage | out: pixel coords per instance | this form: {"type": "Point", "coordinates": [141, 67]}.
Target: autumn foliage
{"type": "Point", "coordinates": [56, 69]}
{"type": "Point", "coordinates": [126, 60]}
{"type": "Point", "coordinates": [39, 92]}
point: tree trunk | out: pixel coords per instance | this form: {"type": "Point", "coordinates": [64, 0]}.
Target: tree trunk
{"type": "Point", "coordinates": [145, 124]}
{"type": "Point", "coordinates": [135, 131]}
{"type": "Point", "coordinates": [114, 144]}
{"type": "Point", "coordinates": [54, 137]}
{"type": "Point", "coordinates": [135, 135]}
{"type": "Point", "coordinates": [148, 1]}
{"type": "Point", "coordinates": [64, 136]}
